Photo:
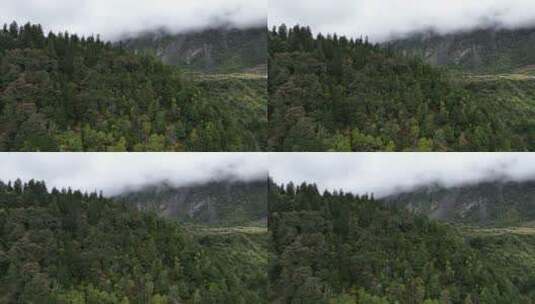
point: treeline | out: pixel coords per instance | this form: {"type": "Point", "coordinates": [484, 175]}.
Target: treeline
{"type": "Point", "coordinates": [336, 247]}
{"type": "Point", "coordinates": [340, 94]}
{"type": "Point", "coordinates": [64, 246]}
{"type": "Point", "coordinates": [62, 92]}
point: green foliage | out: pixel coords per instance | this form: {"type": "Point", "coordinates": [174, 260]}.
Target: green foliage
{"type": "Point", "coordinates": [341, 248]}
{"type": "Point", "coordinates": [69, 247]}
{"type": "Point", "coordinates": [331, 93]}
{"type": "Point", "coordinates": [61, 92]}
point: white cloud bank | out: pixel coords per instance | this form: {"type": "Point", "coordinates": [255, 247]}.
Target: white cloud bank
{"type": "Point", "coordinates": [384, 173]}
{"type": "Point", "coordinates": [379, 173]}
{"type": "Point", "coordinates": [113, 18]}
{"type": "Point", "coordinates": [380, 19]}
{"type": "Point", "coordinates": [115, 172]}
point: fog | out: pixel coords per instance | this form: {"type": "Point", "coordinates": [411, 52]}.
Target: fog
{"type": "Point", "coordinates": [383, 19]}
{"type": "Point", "coordinates": [378, 173]}
{"type": "Point", "coordinates": [114, 172]}
{"type": "Point", "coordinates": [387, 173]}
{"type": "Point", "coordinates": [115, 18]}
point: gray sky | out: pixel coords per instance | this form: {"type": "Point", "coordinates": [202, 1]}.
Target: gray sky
{"type": "Point", "coordinates": [113, 172]}
{"type": "Point", "coordinates": [112, 18]}
{"type": "Point", "coordinates": [383, 173]}
{"type": "Point", "coordinates": [381, 18]}
{"type": "Point", "coordinates": [379, 173]}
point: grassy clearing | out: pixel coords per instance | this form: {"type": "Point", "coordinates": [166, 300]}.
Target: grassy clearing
{"type": "Point", "coordinates": [251, 230]}
{"type": "Point", "coordinates": [501, 231]}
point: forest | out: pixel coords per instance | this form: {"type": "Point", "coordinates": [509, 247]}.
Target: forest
{"type": "Point", "coordinates": [340, 248]}
{"type": "Point", "coordinates": [62, 92]}
{"type": "Point", "coordinates": [332, 93]}
{"type": "Point", "coordinates": [65, 246]}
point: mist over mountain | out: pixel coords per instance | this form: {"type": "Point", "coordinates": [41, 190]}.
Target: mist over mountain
{"type": "Point", "coordinates": [214, 202]}
{"type": "Point", "coordinates": [116, 18]}
{"type": "Point", "coordinates": [487, 49]}
{"type": "Point", "coordinates": [116, 173]}
{"type": "Point", "coordinates": [381, 20]}
{"type": "Point", "coordinates": [495, 202]}
{"type": "Point", "coordinates": [215, 49]}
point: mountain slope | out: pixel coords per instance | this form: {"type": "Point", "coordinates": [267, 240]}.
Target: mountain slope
{"type": "Point", "coordinates": [62, 92]}
{"type": "Point", "coordinates": [68, 247]}
{"type": "Point", "coordinates": [221, 50]}
{"type": "Point", "coordinates": [485, 50]}
{"type": "Point", "coordinates": [496, 203]}
{"type": "Point", "coordinates": [224, 202]}
{"type": "Point", "coordinates": [331, 93]}
{"type": "Point", "coordinates": [341, 248]}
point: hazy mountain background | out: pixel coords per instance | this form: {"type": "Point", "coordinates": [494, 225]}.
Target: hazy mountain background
{"type": "Point", "coordinates": [484, 50]}
{"type": "Point", "coordinates": [495, 203]}
{"type": "Point", "coordinates": [221, 202]}
{"type": "Point", "coordinates": [220, 49]}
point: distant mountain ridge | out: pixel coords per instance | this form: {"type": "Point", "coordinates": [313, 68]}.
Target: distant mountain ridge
{"type": "Point", "coordinates": [222, 202]}
{"type": "Point", "coordinates": [214, 50]}
{"type": "Point", "coordinates": [484, 50]}
{"type": "Point", "coordinates": [486, 203]}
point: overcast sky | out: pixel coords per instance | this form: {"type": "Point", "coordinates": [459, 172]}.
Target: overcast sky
{"type": "Point", "coordinates": [381, 18]}
{"type": "Point", "coordinates": [112, 18]}
{"type": "Point", "coordinates": [384, 173]}
{"type": "Point", "coordinates": [114, 172]}
{"type": "Point", "coordinates": [379, 173]}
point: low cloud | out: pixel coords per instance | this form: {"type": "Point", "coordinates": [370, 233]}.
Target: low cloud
{"type": "Point", "coordinates": [382, 19]}
{"type": "Point", "coordinates": [378, 173]}
{"type": "Point", "coordinates": [116, 18]}
{"type": "Point", "coordinates": [386, 173]}
{"type": "Point", "coordinates": [114, 172]}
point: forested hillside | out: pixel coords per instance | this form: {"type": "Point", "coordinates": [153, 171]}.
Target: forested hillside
{"type": "Point", "coordinates": [340, 94]}
{"type": "Point", "coordinates": [215, 50]}
{"type": "Point", "coordinates": [222, 202]}
{"type": "Point", "coordinates": [339, 248]}
{"type": "Point", "coordinates": [62, 92]}
{"type": "Point", "coordinates": [69, 247]}
{"type": "Point", "coordinates": [492, 203]}
{"type": "Point", "coordinates": [483, 50]}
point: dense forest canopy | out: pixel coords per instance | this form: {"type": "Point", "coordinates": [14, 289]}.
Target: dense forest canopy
{"type": "Point", "coordinates": [64, 246]}
{"type": "Point", "coordinates": [336, 247]}
{"type": "Point", "coordinates": [339, 94]}
{"type": "Point", "coordinates": [62, 92]}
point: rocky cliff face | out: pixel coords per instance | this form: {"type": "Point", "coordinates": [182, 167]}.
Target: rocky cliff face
{"type": "Point", "coordinates": [489, 50]}
{"type": "Point", "coordinates": [213, 203]}
{"type": "Point", "coordinates": [486, 203]}
{"type": "Point", "coordinates": [212, 50]}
